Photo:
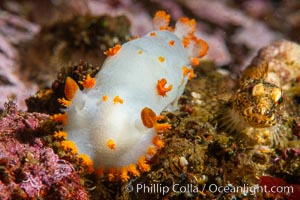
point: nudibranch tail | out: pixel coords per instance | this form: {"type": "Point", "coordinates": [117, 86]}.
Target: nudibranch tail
{"type": "Point", "coordinates": [114, 120]}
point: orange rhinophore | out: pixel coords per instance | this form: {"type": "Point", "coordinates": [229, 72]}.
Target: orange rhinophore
{"type": "Point", "coordinates": [89, 82]}
{"type": "Point", "coordinates": [148, 117]}
{"type": "Point", "coordinates": [161, 20]}
{"type": "Point", "coordinates": [71, 88]}
{"type": "Point", "coordinates": [117, 99]}
{"type": "Point", "coordinates": [161, 89]}
{"type": "Point", "coordinates": [149, 120]}
{"type": "Point", "coordinates": [60, 118]}
{"type": "Point", "coordinates": [113, 51]}
{"type": "Point", "coordinates": [111, 144]}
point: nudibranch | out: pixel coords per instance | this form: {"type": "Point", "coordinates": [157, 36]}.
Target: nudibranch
{"type": "Point", "coordinates": [258, 104]}
{"type": "Point", "coordinates": [113, 120]}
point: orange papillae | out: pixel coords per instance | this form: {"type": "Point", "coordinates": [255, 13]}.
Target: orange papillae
{"type": "Point", "coordinates": [161, 59]}
{"type": "Point", "coordinates": [161, 89]}
{"type": "Point", "coordinates": [152, 34]}
{"type": "Point", "coordinates": [111, 144]}
{"type": "Point", "coordinates": [162, 127]}
{"type": "Point", "coordinates": [64, 102]}
{"type": "Point", "coordinates": [71, 88]}
{"type": "Point", "coordinates": [192, 74]}
{"type": "Point", "coordinates": [204, 47]}
{"type": "Point", "coordinates": [158, 142]}
{"type": "Point", "coordinates": [69, 145]}
{"type": "Point", "coordinates": [104, 98]}
{"type": "Point", "coordinates": [194, 62]}
{"type": "Point", "coordinates": [140, 51]}
{"type": "Point", "coordinates": [186, 71]}
{"type": "Point", "coordinates": [171, 42]}
{"type": "Point", "coordinates": [112, 174]}
{"type": "Point", "coordinates": [143, 166]}
{"type": "Point", "coordinates": [86, 160]}
{"type": "Point", "coordinates": [159, 117]}
{"type": "Point", "coordinates": [133, 170]}
{"type": "Point", "coordinates": [60, 118]}
{"type": "Point", "coordinates": [149, 120]}
{"type": "Point", "coordinates": [89, 82]}
{"type": "Point", "coordinates": [113, 51]}
{"type": "Point", "coordinates": [124, 174]}
{"type": "Point", "coordinates": [162, 19]}
{"type": "Point", "coordinates": [60, 135]}
{"type": "Point", "coordinates": [117, 99]}
{"type": "Point", "coordinates": [151, 150]}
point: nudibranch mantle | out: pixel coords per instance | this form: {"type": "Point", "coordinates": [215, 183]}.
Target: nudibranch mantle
{"type": "Point", "coordinates": [105, 121]}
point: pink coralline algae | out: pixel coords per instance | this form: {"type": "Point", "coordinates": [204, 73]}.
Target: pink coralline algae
{"type": "Point", "coordinates": [29, 169]}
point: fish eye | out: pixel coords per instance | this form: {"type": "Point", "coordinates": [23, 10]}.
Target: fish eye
{"type": "Point", "coordinates": [277, 95]}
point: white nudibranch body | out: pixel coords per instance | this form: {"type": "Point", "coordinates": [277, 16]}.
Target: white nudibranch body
{"type": "Point", "coordinates": [114, 122]}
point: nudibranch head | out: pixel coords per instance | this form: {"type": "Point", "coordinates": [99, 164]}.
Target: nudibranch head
{"type": "Point", "coordinates": [113, 121]}
{"type": "Point", "coordinates": [259, 103]}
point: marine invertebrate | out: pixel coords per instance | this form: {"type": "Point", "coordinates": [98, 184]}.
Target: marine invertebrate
{"type": "Point", "coordinates": [258, 103]}
{"type": "Point", "coordinates": [114, 122]}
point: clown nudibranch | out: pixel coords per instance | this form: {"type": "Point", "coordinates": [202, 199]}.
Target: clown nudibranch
{"type": "Point", "coordinates": [113, 120]}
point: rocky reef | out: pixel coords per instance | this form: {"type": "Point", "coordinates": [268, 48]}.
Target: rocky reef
{"type": "Point", "coordinates": [204, 156]}
{"type": "Point", "coordinates": [29, 169]}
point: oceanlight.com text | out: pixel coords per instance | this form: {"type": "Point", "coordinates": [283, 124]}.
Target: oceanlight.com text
{"type": "Point", "coordinates": [245, 189]}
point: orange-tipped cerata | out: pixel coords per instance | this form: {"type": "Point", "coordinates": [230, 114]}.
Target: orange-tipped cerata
{"type": "Point", "coordinates": [89, 82]}
{"type": "Point", "coordinates": [113, 51]}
